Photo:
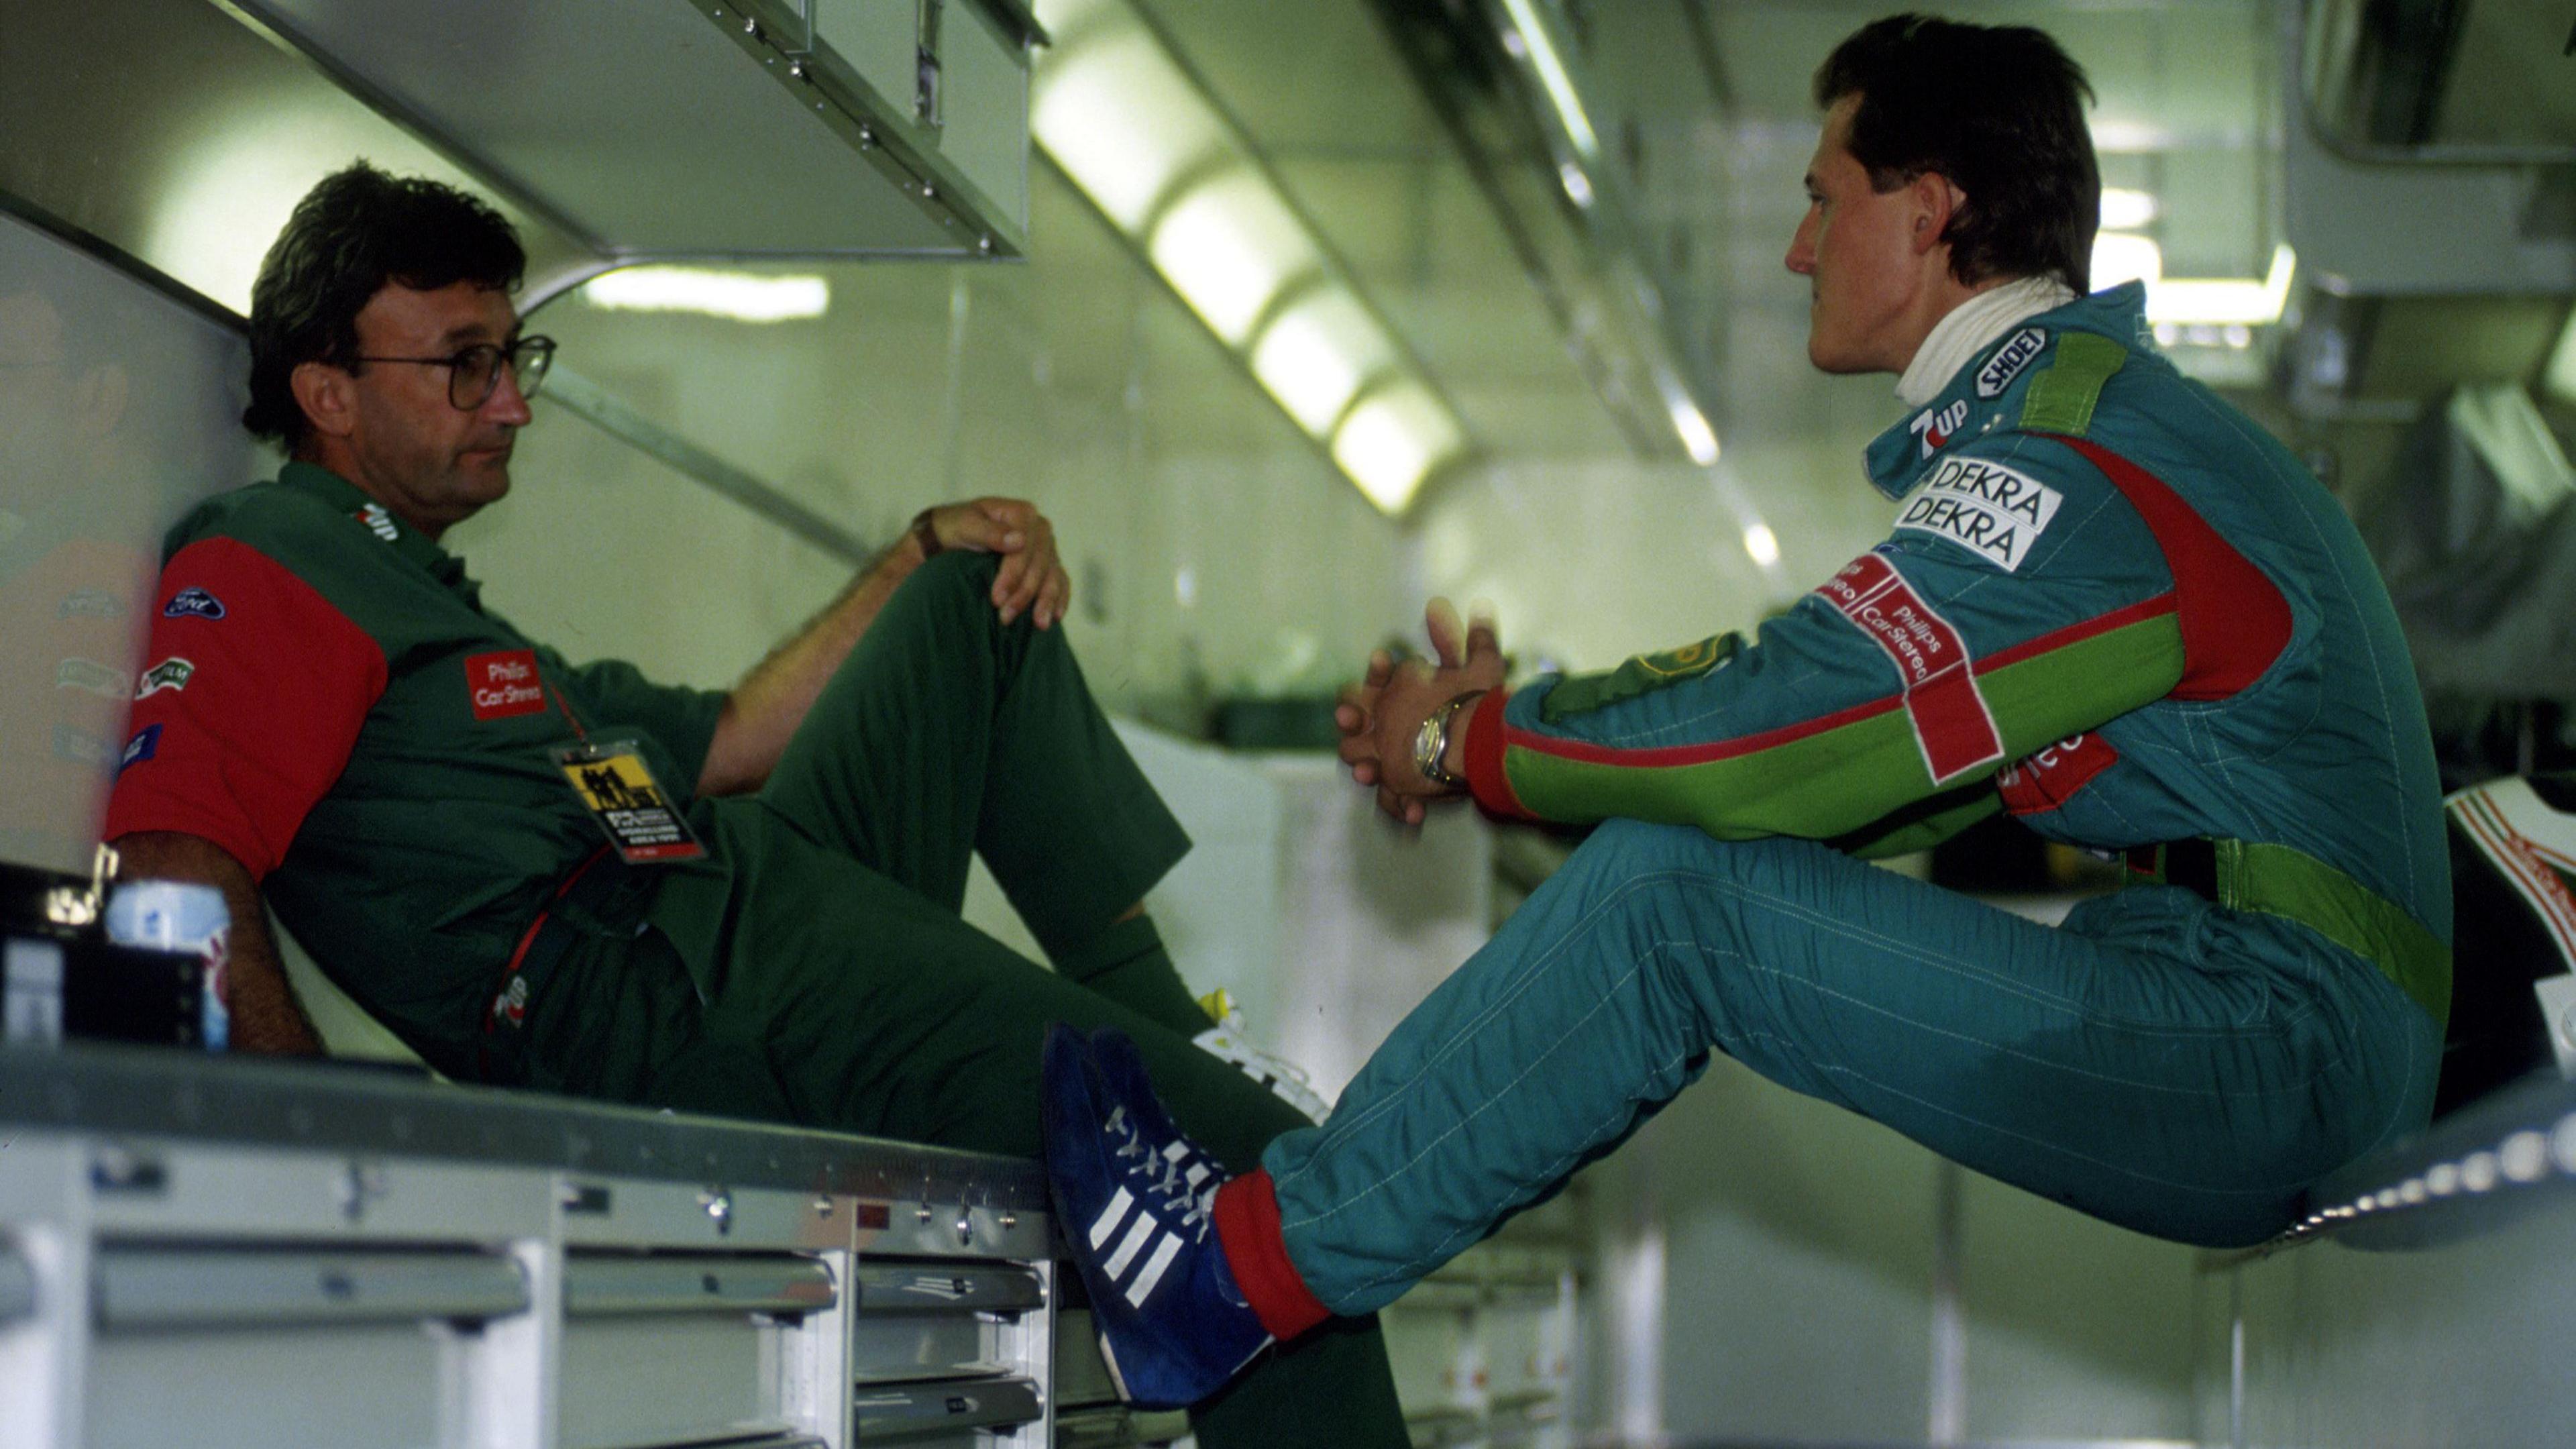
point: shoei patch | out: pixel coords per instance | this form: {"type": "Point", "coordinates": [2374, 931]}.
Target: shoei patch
{"type": "Point", "coordinates": [617, 788]}
{"type": "Point", "coordinates": [1995, 511]}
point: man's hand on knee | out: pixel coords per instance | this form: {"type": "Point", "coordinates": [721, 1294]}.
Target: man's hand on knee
{"type": "Point", "coordinates": [1032, 579]}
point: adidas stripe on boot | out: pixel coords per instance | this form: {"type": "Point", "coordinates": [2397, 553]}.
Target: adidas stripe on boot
{"type": "Point", "coordinates": [1173, 1325]}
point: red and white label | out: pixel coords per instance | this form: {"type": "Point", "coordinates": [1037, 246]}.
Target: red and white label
{"type": "Point", "coordinates": [1951, 722]}
{"type": "Point", "coordinates": [505, 684]}
{"type": "Point", "coordinates": [2046, 779]}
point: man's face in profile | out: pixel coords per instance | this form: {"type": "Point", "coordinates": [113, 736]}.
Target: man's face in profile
{"type": "Point", "coordinates": [430, 461]}
{"type": "Point", "coordinates": [1855, 247]}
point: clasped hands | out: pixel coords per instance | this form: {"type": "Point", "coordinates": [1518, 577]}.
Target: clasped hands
{"type": "Point", "coordinates": [1380, 716]}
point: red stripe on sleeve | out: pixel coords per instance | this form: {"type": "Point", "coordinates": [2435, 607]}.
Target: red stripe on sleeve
{"type": "Point", "coordinates": [256, 720]}
{"type": "Point", "coordinates": [1934, 670]}
{"type": "Point", "coordinates": [2234, 620]}
{"type": "Point", "coordinates": [1486, 779]}
{"type": "Point", "coordinates": [1677, 756]}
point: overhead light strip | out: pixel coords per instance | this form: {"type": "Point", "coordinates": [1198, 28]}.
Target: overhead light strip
{"type": "Point", "coordinates": [1540, 45]}
{"type": "Point", "coordinates": [740, 296]}
{"type": "Point", "coordinates": [1132, 129]}
{"type": "Point", "coordinates": [2194, 301]}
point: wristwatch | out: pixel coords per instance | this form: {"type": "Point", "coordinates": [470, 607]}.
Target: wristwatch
{"type": "Point", "coordinates": [1431, 742]}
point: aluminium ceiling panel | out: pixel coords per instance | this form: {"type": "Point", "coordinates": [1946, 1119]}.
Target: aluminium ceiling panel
{"type": "Point", "coordinates": [638, 123]}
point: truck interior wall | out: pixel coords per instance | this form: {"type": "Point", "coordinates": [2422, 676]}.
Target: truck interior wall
{"type": "Point", "coordinates": [1211, 547]}
{"type": "Point", "coordinates": [1818, 1288]}
{"type": "Point", "coordinates": [118, 404]}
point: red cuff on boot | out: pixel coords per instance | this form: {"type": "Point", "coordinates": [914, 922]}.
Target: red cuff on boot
{"type": "Point", "coordinates": [1247, 1227]}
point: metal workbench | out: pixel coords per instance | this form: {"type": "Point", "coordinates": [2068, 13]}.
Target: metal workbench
{"type": "Point", "coordinates": [223, 1251]}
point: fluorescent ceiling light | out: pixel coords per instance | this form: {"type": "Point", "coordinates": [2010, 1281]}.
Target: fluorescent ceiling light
{"type": "Point", "coordinates": [1227, 246]}
{"type": "Point", "coordinates": [2220, 302]}
{"type": "Point", "coordinates": [2127, 138]}
{"type": "Point", "coordinates": [2127, 210]}
{"type": "Point", "coordinates": [1174, 174]}
{"type": "Point", "coordinates": [1122, 121]}
{"type": "Point", "coordinates": [1762, 545]}
{"type": "Point", "coordinates": [742, 296]}
{"type": "Point", "coordinates": [1552, 77]}
{"type": "Point", "coordinates": [1316, 355]}
{"type": "Point", "coordinates": [2193, 301]}
{"type": "Point", "coordinates": [2119, 257]}
{"type": "Point", "coordinates": [1578, 187]}
{"type": "Point", "coordinates": [1698, 438]}
{"type": "Point", "coordinates": [1392, 441]}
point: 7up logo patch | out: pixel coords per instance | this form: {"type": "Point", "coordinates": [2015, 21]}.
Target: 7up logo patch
{"type": "Point", "coordinates": [171, 673]}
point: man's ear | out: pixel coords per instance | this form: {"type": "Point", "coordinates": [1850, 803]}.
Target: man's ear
{"type": "Point", "coordinates": [1936, 199]}
{"type": "Point", "coordinates": [327, 395]}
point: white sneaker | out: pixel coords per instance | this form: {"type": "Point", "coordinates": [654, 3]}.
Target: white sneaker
{"type": "Point", "coordinates": [1226, 1042]}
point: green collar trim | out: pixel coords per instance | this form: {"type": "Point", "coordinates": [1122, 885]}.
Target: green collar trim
{"type": "Point", "coordinates": [344, 497]}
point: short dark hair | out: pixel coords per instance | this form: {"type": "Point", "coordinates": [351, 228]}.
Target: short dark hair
{"type": "Point", "coordinates": [1999, 110]}
{"type": "Point", "coordinates": [355, 231]}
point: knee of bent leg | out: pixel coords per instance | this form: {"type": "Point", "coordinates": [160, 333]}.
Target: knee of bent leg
{"type": "Point", "coordinates": [959, 574]}
{"type": "Point", "coordinates": [951, 591]}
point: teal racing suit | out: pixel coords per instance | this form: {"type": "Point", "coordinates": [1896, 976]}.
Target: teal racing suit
{"type": "Point", "coordinates": [2110, 605]}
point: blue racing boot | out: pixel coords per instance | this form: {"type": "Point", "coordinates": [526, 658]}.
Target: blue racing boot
{"type": "Point", "coordinates": [1123, 1077]}
{"type": "Point", "coordinates": [1173, 1326]}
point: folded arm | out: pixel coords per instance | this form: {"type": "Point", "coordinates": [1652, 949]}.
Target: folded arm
{"type": "Point", "coordinates": [1874, 710]}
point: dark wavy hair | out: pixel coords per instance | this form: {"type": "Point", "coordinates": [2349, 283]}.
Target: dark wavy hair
{"type": "Point", "coordinates": [355, 231]}
{"type": "Point", "coordinates": [1999, 110]}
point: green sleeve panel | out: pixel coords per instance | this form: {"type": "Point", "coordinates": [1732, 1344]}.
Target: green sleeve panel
{"type": "Point", "coordinates": [1843, 773]}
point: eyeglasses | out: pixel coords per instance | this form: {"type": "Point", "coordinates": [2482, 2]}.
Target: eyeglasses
{"type": "Point", "coordinates": [474, 373]}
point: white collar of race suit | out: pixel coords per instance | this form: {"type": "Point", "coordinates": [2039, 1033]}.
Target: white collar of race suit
{"type": "Point", "coordinates": [1956, 339]}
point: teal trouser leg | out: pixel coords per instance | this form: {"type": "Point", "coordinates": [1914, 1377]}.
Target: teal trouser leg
{"type": "Point", "coordinates": [2171, 1067]}
{"type": "Point", "coordinates": [847, 994]}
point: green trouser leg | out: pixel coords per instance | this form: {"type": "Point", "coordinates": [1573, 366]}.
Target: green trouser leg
{"type": "Point", "coordinates": [844, 992]}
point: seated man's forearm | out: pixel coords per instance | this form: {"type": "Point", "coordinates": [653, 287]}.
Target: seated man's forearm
{"type": "Point", "coordinates": [265, 1014]}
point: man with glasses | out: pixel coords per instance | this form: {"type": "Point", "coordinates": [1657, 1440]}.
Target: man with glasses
{"type": "Point", "coordinates": [571, 878]}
